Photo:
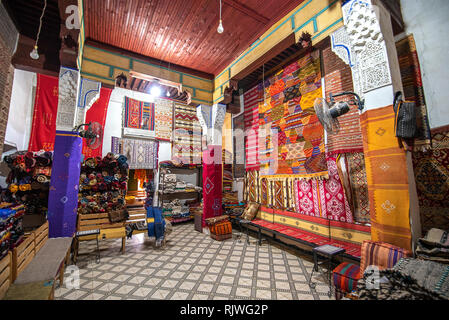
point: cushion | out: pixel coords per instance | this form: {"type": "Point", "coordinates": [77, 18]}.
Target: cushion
{"type": "Point", "coordinates": [265, 214]}
{"type": "Point", "coordinates": [349, 232]}
{"type": "Point", "coordinates": [250, 211]}
{"type": "Point", "coordinates": [46, 263]}
{"type": "Point", "coordinates": [346, 276]}
{"type": "Point", "coordinates": [381, 254]}
{"type": "Point", "coordinates": [304, 223]}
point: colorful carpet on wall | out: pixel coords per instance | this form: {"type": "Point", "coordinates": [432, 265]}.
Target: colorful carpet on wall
{"type": "Point", "coordinates": [139, 114]}
{"type": "Point", "coordinates": [44, 116]}
{"type": "Point", "coordinates": [432, 183]}
{"type": "Point", "coordinates": [164, 119]}
{"type": "Point", "coordinates": [413, 89]}
{"type": "Point", "coordinates": [97, 113]}
{"type": "Point", "coordinates": [387, 179]}
{"type": "Point", "coordinates": [323, 198]}
{"type": "Point", "coordinates": [239, 146]}
{"type": "Point", "coordinates": [252, 186]}
{"type": "Point", "coordinates": [187, 135]}
{"type": "Point", "coordinates": [212, 184]}
{"type": "Point", "coordinates": [251, 99]}
{"type": "Point", "coordinates": [291, 138]}
{"type": "Point", "coordinates": [358, 186]}
{"type": "Point", "coordinates": [141, 154]}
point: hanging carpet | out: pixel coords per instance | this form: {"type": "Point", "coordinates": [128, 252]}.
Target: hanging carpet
{"type": "Point", "coordinates": [252, 99]}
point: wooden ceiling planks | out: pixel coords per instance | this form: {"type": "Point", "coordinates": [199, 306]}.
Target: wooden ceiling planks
{"type": "Point", "coordinates": [183, 32]}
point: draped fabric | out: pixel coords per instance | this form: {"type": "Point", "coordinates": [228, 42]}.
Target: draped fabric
{"type": "Point", "coordinates": [251, 99]}
{"type": "Point", "coordinates": [44, 117]}
{"type": "Point", "coordinates": [239, 146]}
{"type": "Point", "coordinates": [387, 178]}
{"type": "Point", "coordinates": [164, 119]}
{"type": "Point", "coordinates": [141, 154]}
{"type": "Point", "coordinates": [358, 186]}
{"type": "Point", "coordinates": [139, 114]}
{"type": "Point", "coordinates": [414, 90]}
{"type": "Point", "coordinates": [291, 138]}
{"type": "Point", "coordinates": [97, 113]}
{"type": "Point", "coordinates": [212, 183]}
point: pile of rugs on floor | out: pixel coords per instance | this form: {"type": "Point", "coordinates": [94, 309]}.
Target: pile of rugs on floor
{"type": "Point", "coordinates": [103, 184]}
{"type": "Point", "coordinates": [409, 279]}
{"type": "Point", "coordinates": [434, 246]}
{"type": "Point", "coordinates": [11, 231]}
{"type": "Point", "coordinates": [220, 228]}
{"type": "Point", "coordinates": [176, 211]}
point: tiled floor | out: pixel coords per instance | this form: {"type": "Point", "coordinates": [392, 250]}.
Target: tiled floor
{"type": "Point", "coordinates": [192, 266]}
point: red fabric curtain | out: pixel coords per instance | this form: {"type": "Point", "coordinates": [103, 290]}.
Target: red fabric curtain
{"type": "Point", "coordinates": [212, 183]}
{"type": "Point", "coordinates": [43, 129]}
{"type": "Point", "coordinates": [97, 113]}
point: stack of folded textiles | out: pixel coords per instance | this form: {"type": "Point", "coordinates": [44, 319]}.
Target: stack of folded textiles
{"type": "Point", "coordinates": [29, 180]}
{"type": "Point", "coordinates": [434, 246]}
{"type": "Point", "coordinates": [103, 184]}
{"type": "Point", "coordinates": [11, 230]}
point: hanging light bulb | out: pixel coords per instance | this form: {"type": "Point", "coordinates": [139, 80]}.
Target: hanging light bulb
{"type": "Point", "coordinates": [220, 28]}
{"type": "Point", "coordinates": [155, 91]}
{"type": "Point", "coordinates": [34, 54]}
{"type": "Point", "coordinates": [168, 93]}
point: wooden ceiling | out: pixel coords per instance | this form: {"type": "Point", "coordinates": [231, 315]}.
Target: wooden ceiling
{"type": "Point", "coordinates": [183, 32]}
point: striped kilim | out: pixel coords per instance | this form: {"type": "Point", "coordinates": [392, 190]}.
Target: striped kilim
{"type": "Point", "coordinates": [164, 119]}
{"type": "Point", "coordinates": [252, 186]}
{"type": "Point", "coordinates": [387, 176]}
{"type": "Point", "coordinates": [251, 99]}
{"type": "Point", "coordinates": [187, 135]}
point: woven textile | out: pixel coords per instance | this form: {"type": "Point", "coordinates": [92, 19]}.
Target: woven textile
{"type": "Point", "coordinates": [346, 276]}
{"type": "Point", "coordinates": [139, 114]}
{"type": "Point", "coordinates": [44, 116]}
{"type": "Point", "coordinates": [141, 154]}
{"type": "Point", "coordinates": [359, 186]}
{"type": "Point", "coordinates": [187, 135]}
{"type": "Point", "coordinates": [251, 99]}
{"type": "Point", "coordinates": [387, 178]}
{"type": "Point", "coordinates": [115, 145]}
{"type": "Point", "coordinates": [432, 183]}
{"type": "Point", "coordinates": [380, 254]}
{"type": "Point", "coordinates": [291, 138]}
{"type": "Point", "coordinates": [163, 119]}
{"type": "Point", "coordinates": [323, 198]}
{"type": "Point", "coordinates": [212, 183]}
{"type": "Point", "coordinates": [413, 89]}
{"type": "Point", "coordinates": [239, 146]}
{"type": "Point", "coordinates": [252, 186]}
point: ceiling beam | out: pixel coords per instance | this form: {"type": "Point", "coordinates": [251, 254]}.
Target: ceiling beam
{"type": "Point", "coordinates": [247, 10]}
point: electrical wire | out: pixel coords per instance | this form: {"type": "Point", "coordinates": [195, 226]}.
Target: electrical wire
{"type": "Point", "coordinates": [40, 23]}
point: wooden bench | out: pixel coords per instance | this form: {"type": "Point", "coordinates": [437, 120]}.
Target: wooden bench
{"type": "Point", "coordinates": [5, 274]}
{"type": "Point", "coordinates": [37, 263]}
{"type": "Point", "coordinates": [99, 221]}
{"type": "Point", "coordinates": [136, 214]}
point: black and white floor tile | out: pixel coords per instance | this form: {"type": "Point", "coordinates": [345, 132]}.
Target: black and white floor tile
{"type": "Point", "coordinates": [192, 266]}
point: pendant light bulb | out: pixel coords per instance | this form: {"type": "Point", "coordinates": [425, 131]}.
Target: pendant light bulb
{"type": "Point", "coordinates": [168, 93]}
{"type": "Point", "coordinates": [220, 28]}
{"type": "Point", "coordinates": [34, 54]}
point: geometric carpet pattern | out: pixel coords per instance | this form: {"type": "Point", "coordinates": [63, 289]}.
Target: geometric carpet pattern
{"type": "Point", "coordinates": [192, 266]}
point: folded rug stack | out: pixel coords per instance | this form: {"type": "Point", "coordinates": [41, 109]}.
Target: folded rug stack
{"type": "Point", "coordinates": [103, 184]}
{"type": "Point", "coordinates": [434, 246]}
{"type": "Point", "coordinates": [11, 231]}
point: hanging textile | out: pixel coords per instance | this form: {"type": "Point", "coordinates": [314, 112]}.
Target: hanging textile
{"type": "Point", "coordinates": [97, 113]}
{"type": "Point", "coordinates": [239, 146]}
{"type": "Point", "coordinates": [212, 184]}
{"type": "Point", "coordinates": [323, 198]}
{"type": "Point", "coordinates": [358, 186]}
{"type": "Point", "coordinates": [432, 184]}
{"type": "Point", "coordinates": [291, 138]}
{"type": "Point", "coordinates": [187, 135]}
{"type": "Point", "coordinates": [387, 179]}
{"type": "Point", "coordinates": [141, 154]}
{"type": "Point", "coordinates": [115, 145]}
{"type": "Point", "coordinates": [252, 99]}
{"type": "Point", "coordinates": [43, 129]}
{"type": "Point", "coordinates": [413, 89]}
{"type": "Point", "coordinates": [139, 118]}
{"type": "Point", "coordinates": [252, 186]}
{"type": "Point", "coordinates": [164, 119]}
{"type": "Point", "coordinates": [141, 176]}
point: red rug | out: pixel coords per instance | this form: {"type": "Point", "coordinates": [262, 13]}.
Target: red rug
{"type": "Point", "coordinates": [212, 183]}
{"type": "Point", "coordinates": [43, 129]}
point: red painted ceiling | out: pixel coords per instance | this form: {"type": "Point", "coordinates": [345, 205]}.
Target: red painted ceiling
{"type": "Point", "coordinates": [183, 32]}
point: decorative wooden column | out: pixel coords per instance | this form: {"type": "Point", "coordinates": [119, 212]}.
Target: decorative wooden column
{"type": "Point", "coordinates": [212, 119]}
{"type": "Point", "coordinates": [365, 43]}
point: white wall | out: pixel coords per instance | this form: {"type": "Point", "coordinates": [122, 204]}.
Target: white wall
{"type": "Point", "coordinates": [428, 22]}
{"type": "Point", "coordinates": [113, 125]}
{"type": "Point", "coordinates": [18, 128]}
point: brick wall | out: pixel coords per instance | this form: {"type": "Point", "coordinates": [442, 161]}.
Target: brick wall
{"type": "Point", "coordinates": [338, 76]}
{"type": "Point", "coordinates": [8, 40]}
